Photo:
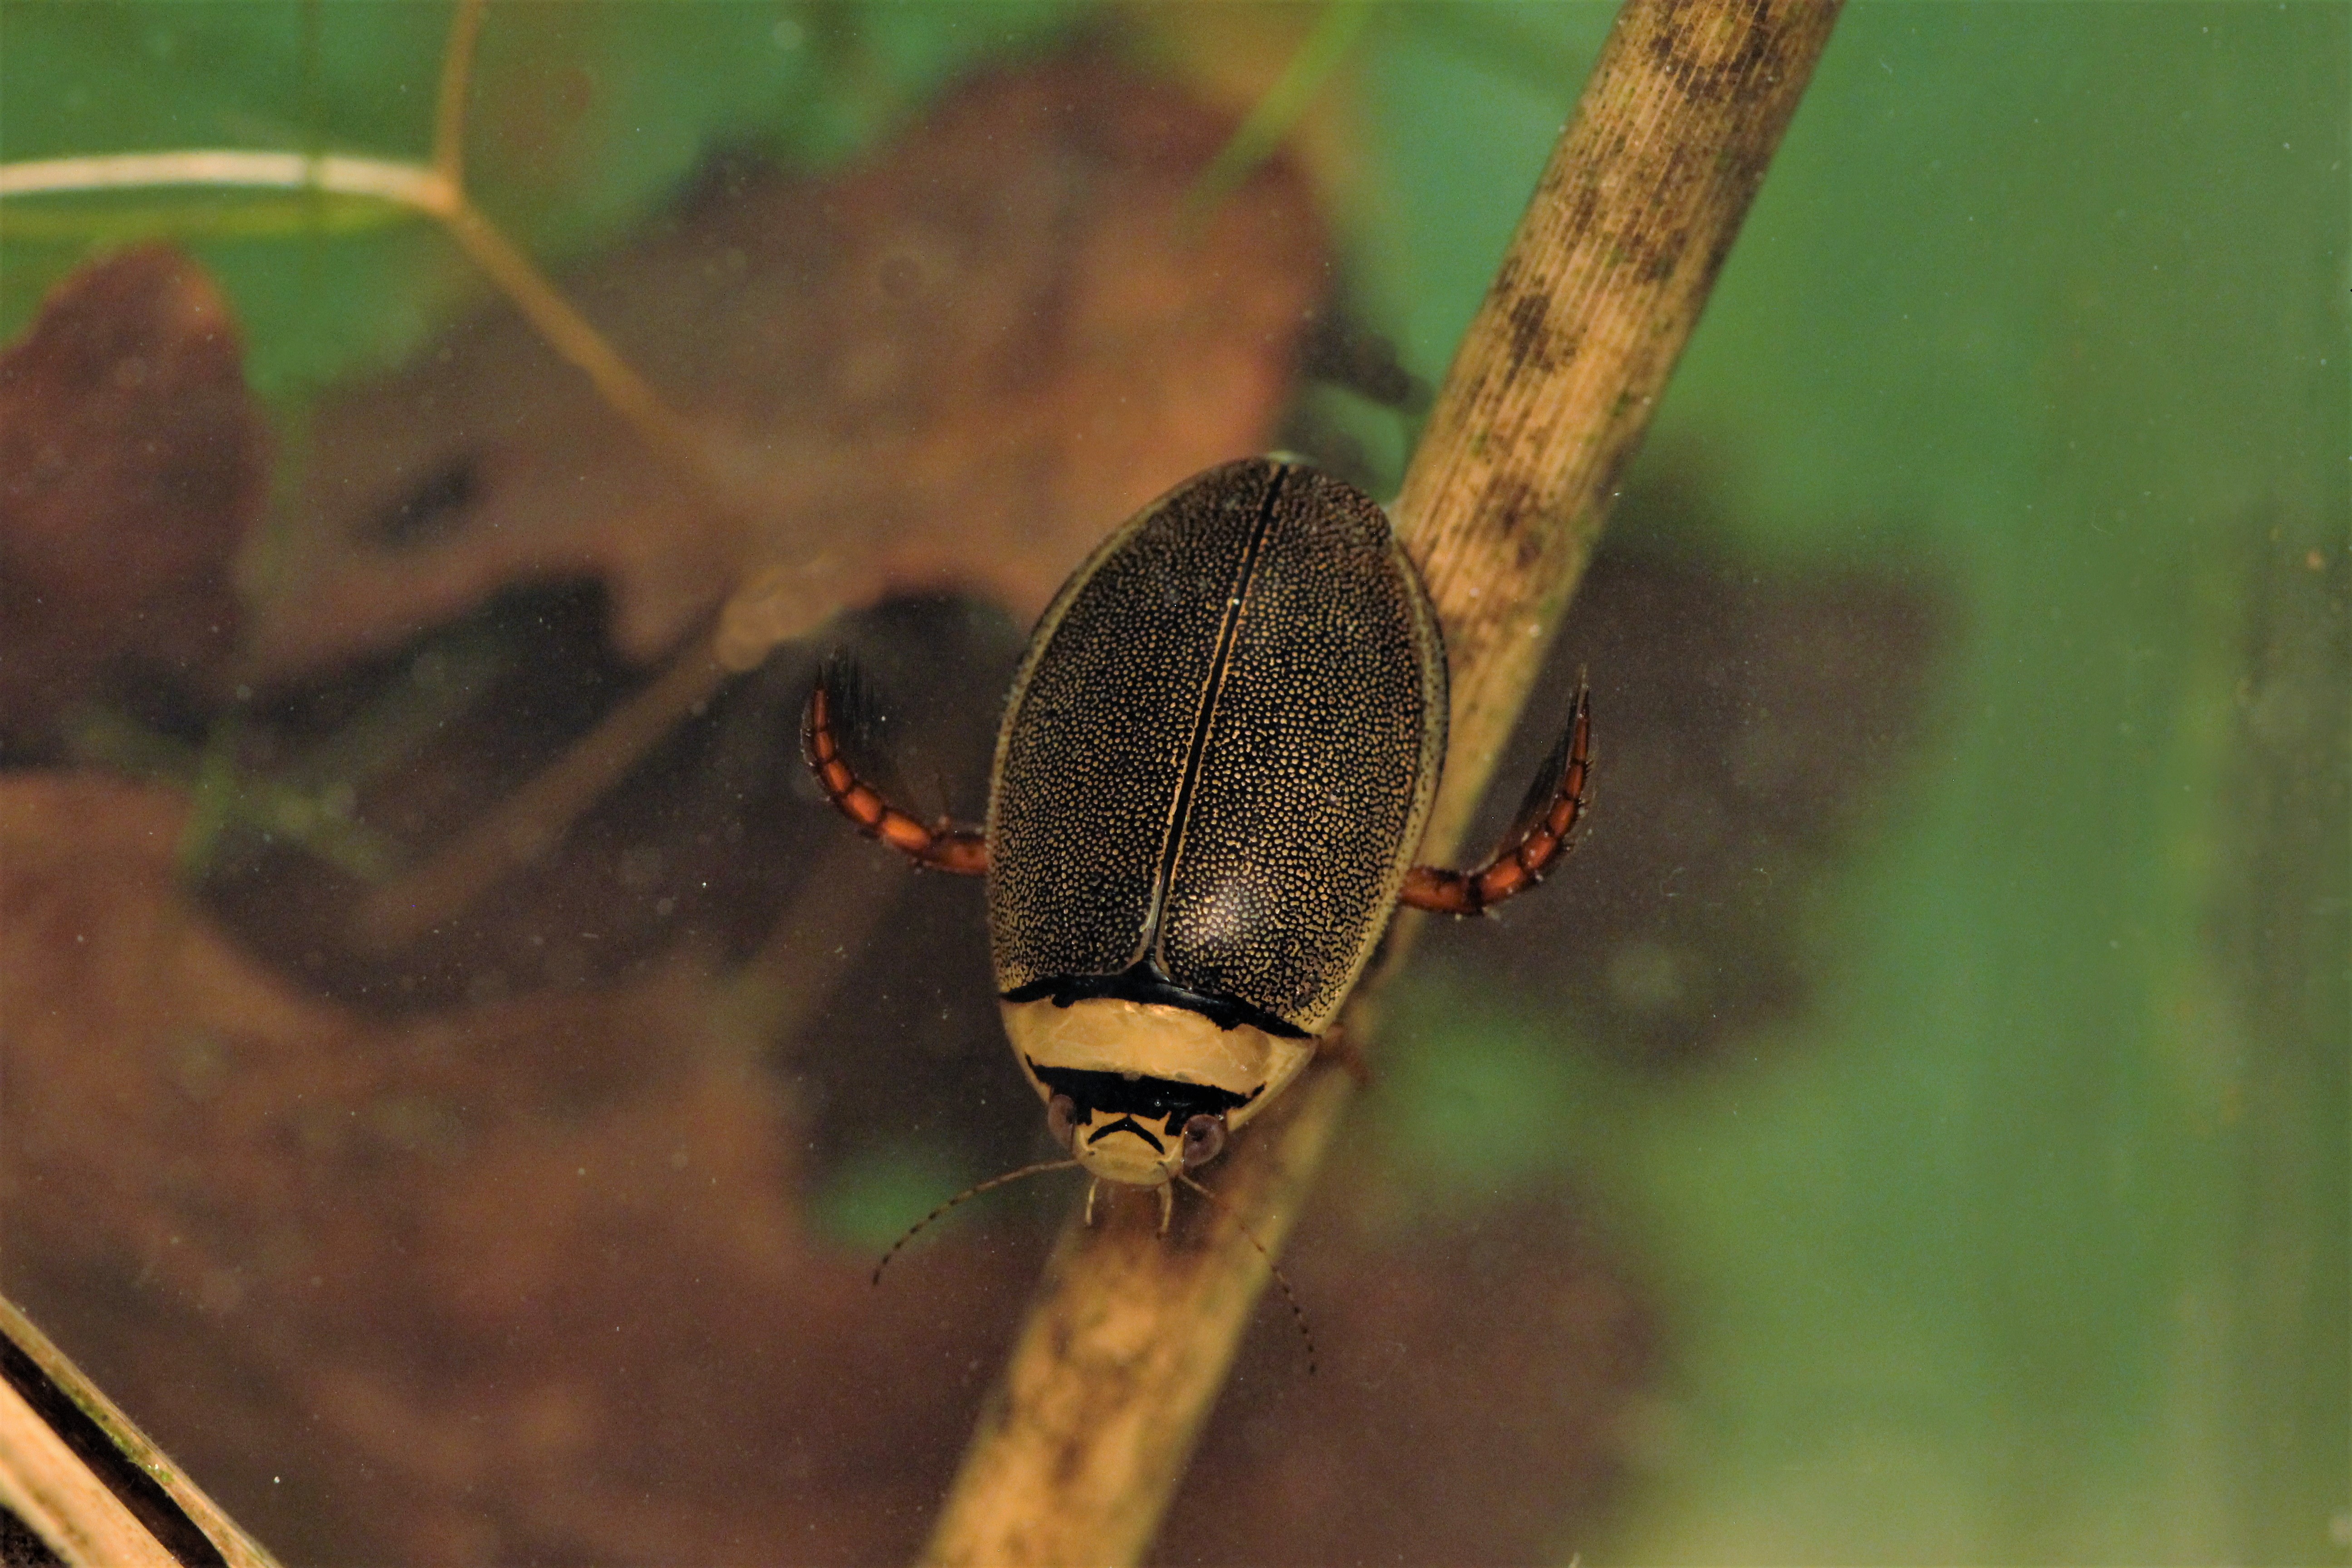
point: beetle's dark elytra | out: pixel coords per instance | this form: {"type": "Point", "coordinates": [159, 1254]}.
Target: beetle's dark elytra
{"type": "Point", "coordinates": [1219, 754]}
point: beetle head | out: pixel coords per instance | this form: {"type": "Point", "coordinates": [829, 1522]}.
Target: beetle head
{"type": "Point", "coordinates": [1121, 1146]}
{"type": "Point", "coordinates": [1137, 1092]}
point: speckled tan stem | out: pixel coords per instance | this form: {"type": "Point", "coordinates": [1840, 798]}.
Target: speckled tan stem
{"type": "Point", "coordinates": [1082, 1443]}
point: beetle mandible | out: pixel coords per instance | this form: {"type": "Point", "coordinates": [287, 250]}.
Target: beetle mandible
{"type": "Point", "coordinates": [1210, 777]}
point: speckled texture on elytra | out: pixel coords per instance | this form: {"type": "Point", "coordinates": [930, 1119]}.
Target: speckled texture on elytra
{"type": "Point", "coordinates": [1315, 743]}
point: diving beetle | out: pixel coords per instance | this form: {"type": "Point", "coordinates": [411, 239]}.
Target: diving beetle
{"type": "Point", "coordinates": [1210, 777]}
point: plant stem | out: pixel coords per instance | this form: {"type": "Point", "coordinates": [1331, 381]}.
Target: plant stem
{"type": "Point", "coordinates": [77, 1473]}
{"type": "Point", "coordinates": [1082, 1443]}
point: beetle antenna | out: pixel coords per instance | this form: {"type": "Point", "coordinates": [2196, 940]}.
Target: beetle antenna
{"type": "Point", "coordinates": [971, 1192]}
{"type": "Point", "coordinates": [1298, 1313]}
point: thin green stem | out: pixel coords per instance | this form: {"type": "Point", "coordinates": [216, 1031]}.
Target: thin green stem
{"type": "Point", "coordinates": [1273, 117]}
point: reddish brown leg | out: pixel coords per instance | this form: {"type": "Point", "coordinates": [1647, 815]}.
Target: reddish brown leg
{"type": "Point", "coordinates": [942, 846]}
{"type": "Point", "coordinates": [1542, 837]}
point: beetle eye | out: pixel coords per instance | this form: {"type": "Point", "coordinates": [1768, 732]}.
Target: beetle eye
{"type": "Point", "coordinates": [1204, 1138]}
{"type": "Point", "coordinates": [1061, 1118]}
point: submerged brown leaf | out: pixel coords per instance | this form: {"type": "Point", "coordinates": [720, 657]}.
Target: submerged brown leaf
{"type": "Point", "coordinates": [512, 1283]}
{"type": "Point", "coordinates": [954, 366]}
{"type": "Point", "coordinates": [132, 460]}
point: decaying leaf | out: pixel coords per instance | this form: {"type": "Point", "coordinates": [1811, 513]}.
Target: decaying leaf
{"type": "Point", "coordinates": [132, 460]}
{"type": "Point", "coordinates": [525, 1279]}
{"type": "Point", "coordinates": [955, 365]}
